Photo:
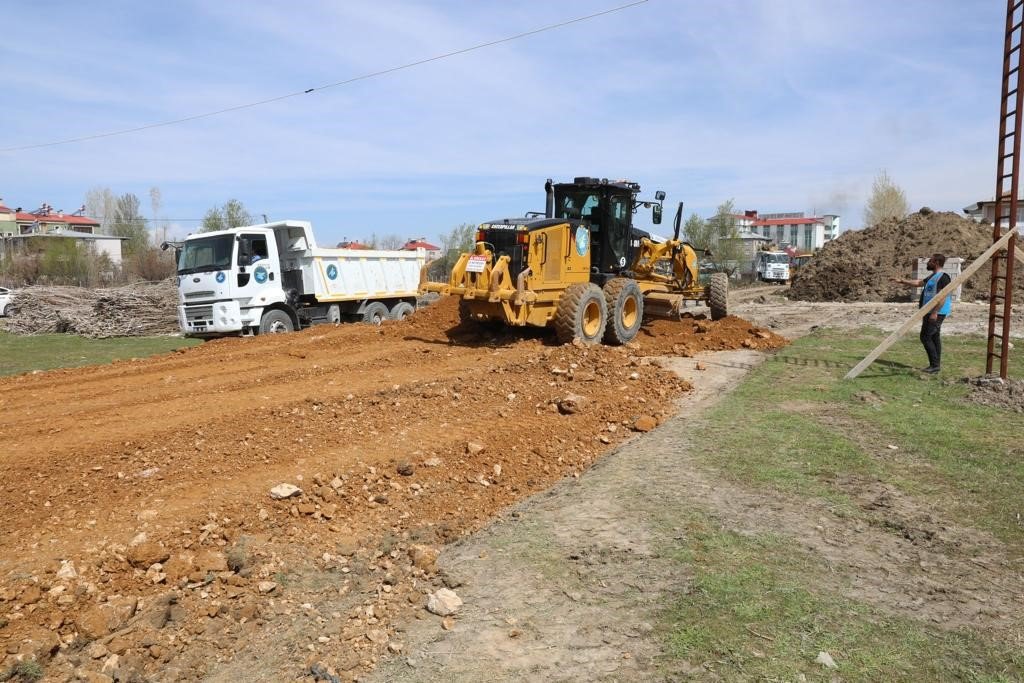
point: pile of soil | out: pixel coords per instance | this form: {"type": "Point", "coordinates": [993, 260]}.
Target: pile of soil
{"type": "Point", "coordinates": [139, 536]}
{"type": "Point", "coordinates": [995, 392]}
{"type": "Point", "coordinates": [858, 264]}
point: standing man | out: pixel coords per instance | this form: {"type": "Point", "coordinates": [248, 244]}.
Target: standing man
{"type": "Point", "coordinates": [931, 324]}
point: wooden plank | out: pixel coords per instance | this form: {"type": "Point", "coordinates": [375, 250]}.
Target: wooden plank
{"type": "Point", "coordinates": [935, 302]}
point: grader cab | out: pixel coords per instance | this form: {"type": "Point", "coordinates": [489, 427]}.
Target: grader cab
{"type": "Point", "coordinates": [582, 267]}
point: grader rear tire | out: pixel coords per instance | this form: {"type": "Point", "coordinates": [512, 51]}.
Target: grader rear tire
{"type": "Point", "coordinates": [581, 314]}
{"type": "Point", "coordinates": [625, 304]}
{"type": "Point", "coordinates": [718, 295]}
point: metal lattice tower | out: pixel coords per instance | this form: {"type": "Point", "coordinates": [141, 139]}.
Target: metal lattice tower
{"type": "Point", "coordinates": [1000, 299]}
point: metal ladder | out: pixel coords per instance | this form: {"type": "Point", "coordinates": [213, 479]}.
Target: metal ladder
{"type": "Point", "coordinates": [1000, 301]}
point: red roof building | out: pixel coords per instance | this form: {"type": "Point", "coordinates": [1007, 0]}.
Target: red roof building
{"type": "Point", "coordinates": [805, 233]}
{"type": "Point", "coordinates": [45, 220]}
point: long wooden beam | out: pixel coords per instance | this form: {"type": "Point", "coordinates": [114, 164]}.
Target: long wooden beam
{"type": "Point", "coordinates": [936, 300]}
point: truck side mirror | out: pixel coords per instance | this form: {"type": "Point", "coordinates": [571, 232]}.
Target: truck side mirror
{"type": "Point", "coordinates": [660, 195]}
{"type": "Point", "coordinates": [656, 213]}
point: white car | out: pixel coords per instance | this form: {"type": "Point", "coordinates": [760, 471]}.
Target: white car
{"type": "Point", "coordinates": [5, 300]}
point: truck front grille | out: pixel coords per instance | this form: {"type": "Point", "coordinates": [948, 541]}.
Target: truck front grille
{"type": "Point", "coordinates": [199, 313]}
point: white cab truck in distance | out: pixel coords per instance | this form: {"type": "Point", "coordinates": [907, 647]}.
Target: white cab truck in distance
{"type": "Point", "coordinates": [273, 277]}
{"type": "Point", "coordinates": [772, 266]}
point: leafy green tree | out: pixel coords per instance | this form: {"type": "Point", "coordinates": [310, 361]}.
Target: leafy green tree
{"type": "Point", "coordinates": [232, 214]}
{"type": "Point", "coordinates": [454, 243]}
{"type": "Point", "coordinates": [697, 232]}
{"type": "Point", "coordinates": [718, 235]}
{"type": "Point", "coordinates": [128, 222]}
{"type": "Point", "coordinates": [887, 200]}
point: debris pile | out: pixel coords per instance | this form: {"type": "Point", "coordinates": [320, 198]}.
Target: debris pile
{"type": "Point", "coordinates": [142, 308]}
{"type": "Point", "coordinates": [995, 392]}
{"type": "Point", "coordinates": [858, 264]}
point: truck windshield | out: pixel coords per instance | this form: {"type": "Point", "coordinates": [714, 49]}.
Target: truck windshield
{"type": "Point", "coordinates": [777, 258]}
{"type": "Point", "coordinates": [206, 254]}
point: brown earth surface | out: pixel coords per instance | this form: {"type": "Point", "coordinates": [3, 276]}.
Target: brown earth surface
{"type": "Point", "coordinates": [138, 535]}
{"type": "Point", "coordinates": [858, 264]}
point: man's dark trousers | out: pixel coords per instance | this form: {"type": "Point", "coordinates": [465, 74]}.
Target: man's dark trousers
{"type": "Point", "coordinates": [930, 338]}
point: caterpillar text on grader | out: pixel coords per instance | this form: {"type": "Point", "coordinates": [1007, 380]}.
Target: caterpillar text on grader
{"type": "Point", "coordinates": [581, 268]}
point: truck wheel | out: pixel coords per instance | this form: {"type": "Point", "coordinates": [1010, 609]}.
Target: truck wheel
{"type": "Point", "coordinates": [276, 322]}
{"type": "Point", "coordinates": [402, 310]}
{"type": "Point", "coordinates": [718, 295]}
{"type": "Point", "coordinates": [625, 304]}
{"type": "Point", "coordinates": [375, 313]}
{"type": "Point", "coordinates": [581, 314]}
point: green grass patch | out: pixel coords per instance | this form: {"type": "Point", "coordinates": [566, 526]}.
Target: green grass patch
{"type": "Point", "coordinates": [795, 425]}
{"type": "Point", "coordinates": [754, 612]}
{"type": "Point", "coordinates": [20, 354]}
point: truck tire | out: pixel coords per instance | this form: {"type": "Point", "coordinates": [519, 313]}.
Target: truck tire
{"type": "Point", "coordinates": [625, 304]}
{"type": "Point", "coordinates": [402, 310]}
{"type": "Point", "coordinates": [718, 295]}
{"type": "Point", "coordinates": [581, 314]}
{"type": "Point", "coordinates": [276, 322]}
{"type": "Point", "coordinates": [375, 313]}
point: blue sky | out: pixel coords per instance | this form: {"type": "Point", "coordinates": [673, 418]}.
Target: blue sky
{"type": "Point", "coordinates": [783, 105]}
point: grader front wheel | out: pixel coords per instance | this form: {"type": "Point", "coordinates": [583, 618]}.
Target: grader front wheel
{"type": "Point", "coordinates": [581, 314]}
{"type": "Point", "coordinates": [625, 305]}
{"type": "Point", "coordinates": [718, 295]}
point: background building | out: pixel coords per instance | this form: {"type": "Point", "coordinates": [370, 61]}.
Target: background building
{"type": "Point", "coordinates": [985, 211]}
{"type": "Point", "coordinates": [803, 233]}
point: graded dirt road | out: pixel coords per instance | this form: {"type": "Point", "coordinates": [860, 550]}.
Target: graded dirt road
{"type": "Point", "coordinates": [138, 535]}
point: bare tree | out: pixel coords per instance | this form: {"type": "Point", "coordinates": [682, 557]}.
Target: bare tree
{"type": "Point", "coordinates": [155, 202]}
{"type": "Point", "coordinates": [887, 200]}
{"type": "Point", "coordinates": [391, 242]}
{"type": "Point", "coordinates": [99, 204]}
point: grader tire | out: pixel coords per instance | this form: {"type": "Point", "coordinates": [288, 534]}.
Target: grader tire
{"type": "Point", "coordinates": [718, 295]}
{"type": "Point", "coordinates": [581, 314]}
{"type": "Point", "coordinates": [625, 304]}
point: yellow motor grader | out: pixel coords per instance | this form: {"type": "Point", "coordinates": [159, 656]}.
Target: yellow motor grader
{"type": "Point", "coordinates": [581, 267]}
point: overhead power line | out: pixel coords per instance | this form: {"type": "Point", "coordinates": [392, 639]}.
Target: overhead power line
{"type": "Point", "coordinates": [307, 91]}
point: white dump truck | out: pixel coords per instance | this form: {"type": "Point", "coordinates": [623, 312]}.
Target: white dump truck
{"type": "Point", "coordinates": [271, 278]}
{"type": "Point", "coordinates": [772, 266]}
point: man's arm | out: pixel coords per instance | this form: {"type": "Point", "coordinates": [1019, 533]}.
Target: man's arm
{"type": "Point", "coordinates": [908, 283]}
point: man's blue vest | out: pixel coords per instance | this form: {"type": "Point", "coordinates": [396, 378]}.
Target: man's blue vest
{"type": "Point", "coordinates": [931, 288]}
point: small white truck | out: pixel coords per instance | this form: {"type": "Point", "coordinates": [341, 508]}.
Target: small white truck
{"type": "Point", "coordinates": [772, 266]}
{"type": "Point", "coordinates": [272, 277]}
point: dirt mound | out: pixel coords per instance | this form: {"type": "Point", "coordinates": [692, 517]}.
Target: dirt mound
{"type": "Point", "coordinates": [138, 532]}
{"type": "Point", "coordinates": [858, 264]}
{"type": "Point", "coordinates": [142, 308]}
{"type": "Point", "coordinates": [686, 337]}
{"type": "Point", "coordinates": [996, 392]}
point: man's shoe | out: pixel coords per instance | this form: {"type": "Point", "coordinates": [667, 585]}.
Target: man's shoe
{"type": "Point", "coordinates": [932, 370]}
